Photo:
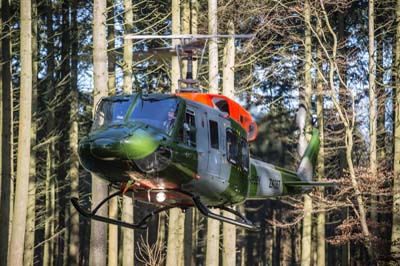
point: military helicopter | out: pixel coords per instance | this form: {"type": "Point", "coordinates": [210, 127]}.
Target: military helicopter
{"type": "Point", "coordinates": [183, 150]}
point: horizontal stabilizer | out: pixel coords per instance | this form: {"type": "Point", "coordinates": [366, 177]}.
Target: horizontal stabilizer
{"type": "Point", "coordinates": [309, 184]}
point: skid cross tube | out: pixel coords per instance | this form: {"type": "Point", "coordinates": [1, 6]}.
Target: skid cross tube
{"type": "Point", "coordinates": [206, 212]}
{"type": "Point", "coordinates": [142, 224]}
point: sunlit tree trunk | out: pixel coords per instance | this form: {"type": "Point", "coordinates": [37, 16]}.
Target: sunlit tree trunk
{"type": "Point", "coordinates": [176, 225]}
{"type": "Point", "coordinates": [111, 47]}
{"type": "Point", "coordinates": [128, 47]}
{"type": "Point", "coordinates": [212, 252]}
{"type": "Point", "coordinates": [395, 248]}
{"type": "Point", "coordinates": [127, 210]}
{"type": "Point", "coordinates": [185, 28]}
{"type": "Point", "coordinates": [212, 47]}
{"type": "Point", "coordinates": [127, 233]}
{"type": "Point", "coordinates": [6, 205]}
{"type": "Point", "coordinates": [113, 203]}
{"type": "Point", "coordinates": [73, 247]}
{"type": "Point", "coordinates": [306, 101]}
{"type": "Point", "coordinates": [228, 88]}
{"type": "Point", "coordinates": [23, 156]}
{"type": "Point", "coordinates": [30, 218]}
{"type": "Point", "coordinates": [372, 99]}
{"type": "Point", "coordinates": [321, 156]}
{"type": "Point", "coordinates": [175, 254]}
{"type": "Point", "coordinates": [194, 11]}
{"type": "Point", "coordinates": [98, 234]}
{"type": "Point", "coordinates": [176, 29]}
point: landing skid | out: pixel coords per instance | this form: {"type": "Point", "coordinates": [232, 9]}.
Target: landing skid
{"type": "Point", "coordinates": [143, 223]}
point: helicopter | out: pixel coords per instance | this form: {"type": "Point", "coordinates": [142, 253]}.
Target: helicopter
{"type": "Point", "coordinates": [183, 150]}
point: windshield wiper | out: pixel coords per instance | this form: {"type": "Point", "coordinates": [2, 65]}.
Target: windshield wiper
{"type": "Point", "coordinates": [153, 99]}
{"type": "Point", "coordinates": [124, 99]}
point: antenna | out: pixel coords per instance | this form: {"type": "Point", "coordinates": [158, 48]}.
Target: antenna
{"type": "Point", "coordinates": [186, 50]}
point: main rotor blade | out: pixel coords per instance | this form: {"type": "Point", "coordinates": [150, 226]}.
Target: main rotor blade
{"type": "Point", "coordinates": [188, 36]}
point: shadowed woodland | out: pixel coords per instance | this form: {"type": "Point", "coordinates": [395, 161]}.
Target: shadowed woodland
{"type": "Point", "coordinates": [338, 58]}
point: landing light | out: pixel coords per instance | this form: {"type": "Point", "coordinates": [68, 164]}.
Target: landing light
{"type": "Point", "coordinates": [161, 196]}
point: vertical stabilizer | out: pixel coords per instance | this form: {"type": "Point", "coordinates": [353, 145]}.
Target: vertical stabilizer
{"type": "Point", "coordinates": [308, 162]}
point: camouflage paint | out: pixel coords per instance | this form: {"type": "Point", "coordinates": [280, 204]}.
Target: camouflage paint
{"type": "Point", "coordinates": [113, 152]}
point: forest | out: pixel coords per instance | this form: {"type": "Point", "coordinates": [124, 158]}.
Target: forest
{"type": "Point", "coordinates": [340, 59]}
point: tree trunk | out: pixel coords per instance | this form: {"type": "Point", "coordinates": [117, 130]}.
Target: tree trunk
{"type": "Point", "coordinates": [176, 25]}
{"type": "Point", "coordinates": [6, 205]}
{"type": "Point", "coordinates": [229, 230]}
{"type": "Point", "coordinates": [73, 247]}
{"type": "Point", "coordinates": [113, 203]}
{"type": "Point", "coordinates": [228, 242]}
{"type": "Point", "coordinates": [24, 149]}
{"type": "Point", "coordinates": [194, 10]}
{"type": "Point", "coordinates": [176, 225]}
{"type": "Point", "coordinates": [30, 218]}
{"type": "Point", "coordinates": [186, 29]}
{"type": "Point", "coordinates": [395, 248]}
{"type": "Point", "coordinates": [127, 210]}
{"type": "Point", "coordinates": [212, 252]}
{"type": "Point", "coordinates": [305, 99]}
{"type": "Point", "coordinates": [98, 233]}
{"type": "Point", "coordinates": [128, 257]}
{"type": "Point", "coordinates": [372, 100]}
{"type": "Point", "coordinates": [128, 47]}
{"type": "Point", "coordinates": [111, 48]}
{"type": "Point", "coordinates": [321, 155]}
{"type": "Point", "coordinates": [213, 47]}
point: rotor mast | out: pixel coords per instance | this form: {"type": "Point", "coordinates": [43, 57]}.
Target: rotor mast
{"type": "Point", "coordinates": [188, 49]}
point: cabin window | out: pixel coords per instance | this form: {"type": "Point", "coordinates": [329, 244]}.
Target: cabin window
{"type": "Point", "coordinates": [221, 104]}
{"type": "Point", "coordinates": [237, 150]}
{"type": "Point", "coordinates": [232, 146]}
{"type": "Point", "coordinates": [187, 133]}
{"type": "Point", "coordinates": [244, 154]}
{"type": "Point", "coordinates": [214, 138]}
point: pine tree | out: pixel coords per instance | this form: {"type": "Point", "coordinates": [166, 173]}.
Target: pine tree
{"type": "Point", "coordinates": [21, 190]}
{"type": "Point", "coordinates": [98, 234]}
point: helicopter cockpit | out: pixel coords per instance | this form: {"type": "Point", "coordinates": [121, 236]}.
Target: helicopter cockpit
{"type": "Point", "coordinates": [157, 112]}
{"type": "Point", "coordinates": [109, 111]}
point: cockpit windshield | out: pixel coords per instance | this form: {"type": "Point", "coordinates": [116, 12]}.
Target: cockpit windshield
{"type": "Point", "coordinates": [159, 113]}
{"type": "Point", "coordinates": [110, 111]}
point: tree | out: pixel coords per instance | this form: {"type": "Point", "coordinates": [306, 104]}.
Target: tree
{"type": "Point", "coordinates": [7, 166]}
{"type": "Point", "coordinates": [212, 253]}
{"type": "Point", "coordinates": [31, 214]}
{"type": "Point", "coordinates": [175, 29]}
{"type": "Point", "coordinates": [213, 47]}
{"type": "Point", "coordinates": [349, 124]}
{"type": "Point", "coordinates": [395, 237]}
{"type": "Point", "coordinates": [372, 98]}
{"type": "Point", "coordinates": [21, 190]}
{"type": "Point", "coordinates": [228, 230]}
{"type": "Point", "coordinates": [113, 203]}
{"type": "Point", "coordinates": [305, 100]}
{"type": "Point", "coordinates": [73, 247]}
{"type": "Point", "coordinates": [321, 155]}
{"type": "Point", "coordinates": [175, 253]}
{"type": "Point", "coordinates": [175, 237]}
{"type": "Point", "coordinates": [98, 234]}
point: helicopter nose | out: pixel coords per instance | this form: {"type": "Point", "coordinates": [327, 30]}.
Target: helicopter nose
{"type": "Point", "coordinates": [105, 148]}
{"type": "Point", "coordinates": [137, 145]}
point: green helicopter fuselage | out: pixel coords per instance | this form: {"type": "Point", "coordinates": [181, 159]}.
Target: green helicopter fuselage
{"type": "Point", "coordinates": [163, 142]}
